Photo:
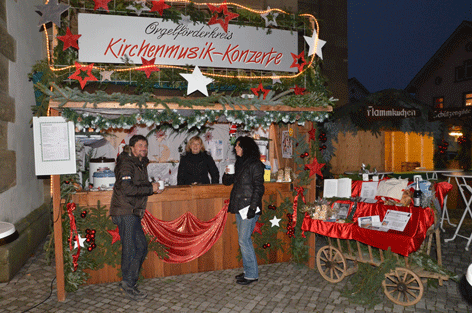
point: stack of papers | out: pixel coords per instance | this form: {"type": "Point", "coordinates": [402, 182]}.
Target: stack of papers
{"type": "Point", "coordinates": [395, 220]}
{"type": "Point", "coordinates": [369, 191]}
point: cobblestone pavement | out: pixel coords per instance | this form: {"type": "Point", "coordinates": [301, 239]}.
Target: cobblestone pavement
{"type": "Point", "coordinates": [283, 287]}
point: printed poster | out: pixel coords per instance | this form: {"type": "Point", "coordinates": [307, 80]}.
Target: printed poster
{"type": "Point", "coordinates": [287, 148]}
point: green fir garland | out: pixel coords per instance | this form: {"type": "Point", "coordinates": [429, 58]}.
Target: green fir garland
{"type": "Point", "coordinates": [267, 240]}
{"type": "Point", "coordinates": [105, 253]}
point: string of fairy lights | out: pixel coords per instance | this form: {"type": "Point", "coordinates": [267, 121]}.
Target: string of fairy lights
{"type": "Point", "coordinates": [310, 17]}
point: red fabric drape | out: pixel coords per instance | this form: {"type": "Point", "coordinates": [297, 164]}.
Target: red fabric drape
{"type": "Point", "coordinates": [402, 243]}
{"type": "Point", "coordinates": [356, 188]}
{"type": "Point", "coordinates": [186, 237]}
{"type": "Point", "coordinates": [442, 189]}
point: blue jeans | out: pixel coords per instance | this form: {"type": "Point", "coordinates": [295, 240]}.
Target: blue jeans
{"type": "Point", "coordinates": [245, 229]}
{"type": "Point", "coordinates": [133, 246]}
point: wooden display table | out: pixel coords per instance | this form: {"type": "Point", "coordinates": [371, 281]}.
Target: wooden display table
{"type": "Point", "coordinates": [203, 201]}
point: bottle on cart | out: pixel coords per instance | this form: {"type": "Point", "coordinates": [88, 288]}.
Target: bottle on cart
{"type": "Point", "coordinates": [417, 194]}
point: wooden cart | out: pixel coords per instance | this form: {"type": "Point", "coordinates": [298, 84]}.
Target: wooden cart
{"type": "Point", "coordinates": [402, 285]}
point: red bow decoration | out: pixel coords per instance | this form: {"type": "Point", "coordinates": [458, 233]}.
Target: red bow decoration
{"type": "Point", "coordinates": [299, 191]}
{"type": "Point", "coordinates": [73, 234]}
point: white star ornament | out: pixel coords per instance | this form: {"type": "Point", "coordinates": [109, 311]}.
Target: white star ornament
{"type": "Point", "coordinates": [185, 20]}
{"type": "Point", "coordinates": [275, 221]}
{"type": "Point", "coordinates": [81, 242]}
{"type": "Point", "coordinates": [275, 80]}
{"type": "Point", "coordinates": [197, 81]}
{"type": "Point", "coordinates": [311, 41]}
{"type": "Point", "coordinates": [106, 75]}
{"type": "Point", "coordinates": [140, 10]}
{"type": "Point", "coordinates": [272, 21]}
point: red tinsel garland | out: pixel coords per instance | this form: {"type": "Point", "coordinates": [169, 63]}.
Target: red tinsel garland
{"type": "Point", "coordinates": [73, 234]}
{"type": "Point", "coordinates": [299, 191]}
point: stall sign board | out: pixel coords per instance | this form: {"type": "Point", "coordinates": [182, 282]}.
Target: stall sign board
{"type": "Point", "coordinates": [374, 112]}
{"type": "Point", "coordinates": [455, 113]}
{"type": "Point", "coordinates": [114, 39]}
{"type": "Point", "coordinates": [54, 146]}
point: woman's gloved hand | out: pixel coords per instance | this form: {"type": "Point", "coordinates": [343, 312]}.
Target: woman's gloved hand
{"type": "Point", "coordinates": [251, 213]}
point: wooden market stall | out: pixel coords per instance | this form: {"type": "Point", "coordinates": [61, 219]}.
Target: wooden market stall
{"type": "Point", "coordinates": [388, 130]}
{"type": "Point", "coordinates": [269, 53]}
{"type": "Point", "coordinates": [389, 151]}
{"type": "Point", "coordinates": [204, 202]}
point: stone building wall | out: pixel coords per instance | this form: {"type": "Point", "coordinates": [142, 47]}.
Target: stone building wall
{"type": "Point", "coordinates": [21, 192]}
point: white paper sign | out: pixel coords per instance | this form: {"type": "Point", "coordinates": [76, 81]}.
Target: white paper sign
{"type": "Point", "coordinates": [369, 190]}
{"type": "Point", "coordinates": [110, 38]}
{"type": "Point", "coordinates": [396, 220]}
{"type": "Point", "coordinates": [369, 221]}
{"type": "Point", "coordinates": [287, 148]}
{"type": "Point", "coordinates": [54, 146]}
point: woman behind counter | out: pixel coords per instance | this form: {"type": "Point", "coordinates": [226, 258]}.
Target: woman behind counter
{"type": "Point", "coordinates": [247, 192]}
{"type": "Point", "coordinates": [196, 164]}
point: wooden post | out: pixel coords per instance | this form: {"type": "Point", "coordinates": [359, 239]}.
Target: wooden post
{"type": "Point", "coordinates": [57, 219]}
{"type": "Point", "coordinates": [58, 249]}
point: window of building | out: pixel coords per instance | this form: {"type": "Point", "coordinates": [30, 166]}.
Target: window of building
{"type": "Point", "coordinates": [468, 98]}
{"type": "Point", "coordinates": [438, 103]}
{"type": "Point", "coordinates": [464, 72]}
{"type": "Point", "coordinates": [468, 46]}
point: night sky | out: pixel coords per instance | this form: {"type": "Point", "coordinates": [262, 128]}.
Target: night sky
{"type": "Point", "coordinates": [390, 41]}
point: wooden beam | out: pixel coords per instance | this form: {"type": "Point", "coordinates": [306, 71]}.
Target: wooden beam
{"type": "Point", "coordinates": [58, 249]}
{"type": "Point", "coordinates": [57, 220]}
{"type": "Point", "coordinates": [176, 106]}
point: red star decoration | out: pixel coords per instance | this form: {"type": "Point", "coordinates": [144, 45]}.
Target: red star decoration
{"type": "Point", "coordinates": [312, 133]}
{"type": "Point", "coordinates": [69, 40]}
{"type": "Point", "coordinates": [78, 69]}
{"type": "Point", "coordinates": [260, 88]}
{"type": "Point", "coordinates": [148, 70]}
{"type": "Point", "coordinates": [299, 90]}
{"type": "Point", "coordinates": [101, 4]}
{"type": "Point", "coordinates": [257, 228]}
{"type": "Point", "coordinates": [159, 6]}
{"type": "Point", "coordinates": [298, 61]}
{"type": "Point", "coordinates": [315, 168]}
{"type": "Point", "coordinates": [115, 235]}
{"type": "Point", "coordinates": [221, 9]}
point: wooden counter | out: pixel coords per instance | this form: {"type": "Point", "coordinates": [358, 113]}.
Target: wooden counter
{"type": "Point", "coordinates": [203, 201]}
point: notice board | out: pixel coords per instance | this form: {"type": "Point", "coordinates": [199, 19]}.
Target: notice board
{"type": "Point", "coordinates": [54, 146]}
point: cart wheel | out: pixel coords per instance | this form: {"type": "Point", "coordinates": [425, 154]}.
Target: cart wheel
{"type": "Point", "coordinates": [402, 286]}
{"type": "Point", "coordinates": [331, 264]}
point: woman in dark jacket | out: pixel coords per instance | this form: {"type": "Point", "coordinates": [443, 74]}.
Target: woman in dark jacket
{"type": "Point", "coordinates": [196, 164]}
{"type": "Point", "coordinates": [246, 202]}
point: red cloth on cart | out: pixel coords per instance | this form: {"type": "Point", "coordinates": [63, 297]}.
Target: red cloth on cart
{"type": "Point", "coordinates": [402, 243]}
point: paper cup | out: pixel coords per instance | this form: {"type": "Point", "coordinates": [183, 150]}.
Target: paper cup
{"type": "Point", "coordinates": [161, 184]}
{"type": "Point", "coordinates": [230, 168]}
